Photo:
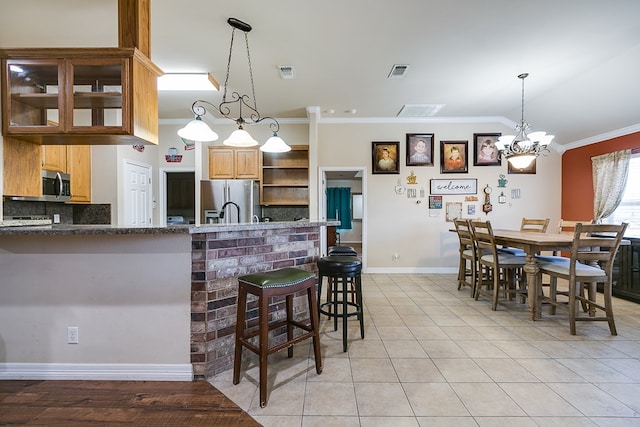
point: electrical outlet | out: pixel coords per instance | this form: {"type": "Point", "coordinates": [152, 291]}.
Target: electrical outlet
{"type": "Point", "coordinates": [395, 257]}
{"type": "Point", "coordinates": [72, 335]}
{"type": "Point", "coordinates": [56, 218]}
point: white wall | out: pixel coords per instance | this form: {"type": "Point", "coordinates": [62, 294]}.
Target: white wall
{"type": "Point", "coordinates": [137, 314]}
{"type": "Point", "coordinates": [398, 225]}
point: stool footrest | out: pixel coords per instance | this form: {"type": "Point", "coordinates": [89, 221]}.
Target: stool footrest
{"type": "Point", "coordinates": [337, 304]}
{"type": "Point", "coordinates": [276, 348]}
{"type": "Point", "coordinates": [276, 325]}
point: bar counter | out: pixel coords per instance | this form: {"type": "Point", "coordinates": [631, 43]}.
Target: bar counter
{"type": "Point", "coordinates": [149, 302]}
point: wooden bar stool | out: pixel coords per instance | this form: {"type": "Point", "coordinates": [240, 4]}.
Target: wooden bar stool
{"type": "Point", "coordinates": [341, 251]}
{"type": "Point", "coordinates": [265, 285]}
{"type": "Point", "coordinates": [341, 272]}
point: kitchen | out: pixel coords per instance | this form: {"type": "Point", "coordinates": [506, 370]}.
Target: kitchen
{"type": "Point", "coordinates": [135, 320]}
{"type": "Point", "coordinates": [391, 220]}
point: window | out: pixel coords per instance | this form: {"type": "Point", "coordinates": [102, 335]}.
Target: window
{"type": "Point", "coordinates": [629, 208]}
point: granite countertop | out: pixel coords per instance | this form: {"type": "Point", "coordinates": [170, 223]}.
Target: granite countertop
{"type": "Point", "coordinates": [71, 229]}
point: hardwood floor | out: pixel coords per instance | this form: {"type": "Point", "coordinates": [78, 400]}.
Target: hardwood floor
{"type": "Point", "coordinates": [117, 403]}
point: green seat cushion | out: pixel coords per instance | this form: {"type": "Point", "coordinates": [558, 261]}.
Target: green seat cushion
{"type": "Point", "coordinates": [276, 278]}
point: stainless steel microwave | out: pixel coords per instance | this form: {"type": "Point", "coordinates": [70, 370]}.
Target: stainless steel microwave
{"type": "Point", "coordinates": [56, 187]}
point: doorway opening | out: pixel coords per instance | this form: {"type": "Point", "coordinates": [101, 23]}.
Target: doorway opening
{"type": "Point", "coordinates": [353, 178]}
{"type": "Point", "coordinates": [177, 196]}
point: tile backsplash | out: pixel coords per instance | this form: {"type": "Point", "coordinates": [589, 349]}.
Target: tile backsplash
{"type": "Point", "coordinates": [69, 214]}
{"type": "Point", "coordinates": [285, 213]}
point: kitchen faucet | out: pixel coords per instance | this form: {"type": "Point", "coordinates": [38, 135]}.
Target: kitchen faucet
{"type": "Point", "coordinates": [221, 216]}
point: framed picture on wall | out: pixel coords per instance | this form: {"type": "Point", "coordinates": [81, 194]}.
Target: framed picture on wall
{"type": "Point", "coordinates": [531, 169]}
{"type": "Point", "coordinates": [454, 156]}
{"type": "Point", "coordinates": [485, 151]}
{"type": "Point", "coordinates": [384, 157]}
{"type": "Point", "coordinates": [419, 149]}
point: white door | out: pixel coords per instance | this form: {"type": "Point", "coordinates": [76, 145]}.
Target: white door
{"type": "Point", "coordinates": [137, 194]}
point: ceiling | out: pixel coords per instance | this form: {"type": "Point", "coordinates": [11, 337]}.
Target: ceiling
{"type": "Point", "coordinates": [582, 56]}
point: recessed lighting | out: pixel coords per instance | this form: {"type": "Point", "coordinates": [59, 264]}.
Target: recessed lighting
{"type": "Point", "coordinates": [351, 111]}
{"type": "Point", "coordinates": [187, 81]}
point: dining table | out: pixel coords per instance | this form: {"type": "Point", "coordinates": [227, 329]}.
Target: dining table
{"type": "Point", "coordinates": [532, 244]}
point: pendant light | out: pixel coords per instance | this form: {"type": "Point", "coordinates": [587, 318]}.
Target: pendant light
{"type": "Point", "coordinates": [198, 130]}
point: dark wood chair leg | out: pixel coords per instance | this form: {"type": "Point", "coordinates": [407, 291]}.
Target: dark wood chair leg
{"type": "Point", "coordinates": [358, 283]}
{"type": "Point", "coordinates": [240, 321]}
{"type": "Point", "coordinates": [319, 298]}
{"type": "Point", "coordinates": [334, 287]}
{"type": "Point", "coordinates": [289, 303]}
{"type": "Point", "coordinates": [263, 316]}
{"type": "Point", "coordinates": [315, 325]}
{"type": "Point", "coordinates": [345, 308]}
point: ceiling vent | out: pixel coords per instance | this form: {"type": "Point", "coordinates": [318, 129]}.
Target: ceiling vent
{"type": "Point", "coordinates": [287, 72]}
{"type": "Point", "coordinates": [419, 110]}
{"type": "Point", "coordinates": [398, 71]}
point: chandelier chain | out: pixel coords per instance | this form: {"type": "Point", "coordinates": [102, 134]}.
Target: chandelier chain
{"type": "Point", "coordinates": [522, 106]}
{"type": "Point", "coordinates": [253, 88]}
{"type": "Point", "coordinates": [226, 79]}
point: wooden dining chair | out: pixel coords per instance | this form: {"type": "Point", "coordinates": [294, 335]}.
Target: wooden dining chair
{"type": "Point", "coordinates": [499, 275]}
{"type": "Point", "coordinates": [564, 226]}
{"type": "Point", "coordinates": [468, 263]}
{"type": "Point", "coordinates": [529, 225]}
{"type": "Point", "coordinates": [591, 262]}
{"type": "Point", "coordinates": [533, 225]}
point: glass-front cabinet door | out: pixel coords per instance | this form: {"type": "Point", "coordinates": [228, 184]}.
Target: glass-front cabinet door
{"type": "Point", "coordinates": [97, 100]}
{"type": "Point", "coordinates": [66, 95]}
{"type": "Point", "coordinates": [33, 96]}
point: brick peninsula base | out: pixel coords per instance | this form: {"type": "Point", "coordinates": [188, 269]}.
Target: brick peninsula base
{"type": "Point", "coordinates": [222, 253]}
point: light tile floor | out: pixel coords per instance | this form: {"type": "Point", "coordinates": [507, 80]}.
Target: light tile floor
{"type": "Point", "coordinates": [433, 356]}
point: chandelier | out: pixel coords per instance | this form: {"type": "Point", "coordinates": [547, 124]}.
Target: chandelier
{"type": "Point", "coordinates": [198, 130]}
{"type": "Point", "coordinates": [523, 148]}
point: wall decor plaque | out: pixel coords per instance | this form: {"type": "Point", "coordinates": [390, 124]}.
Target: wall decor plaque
{"type": "Point", "coordinates": [454, 186]}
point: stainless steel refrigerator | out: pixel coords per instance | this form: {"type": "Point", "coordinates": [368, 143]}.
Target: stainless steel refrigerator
{"type": "Point", "coordinates": [229, 201]}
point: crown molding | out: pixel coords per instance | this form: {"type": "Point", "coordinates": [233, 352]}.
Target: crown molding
{"type": "Point", "coordinates": [602, 137]}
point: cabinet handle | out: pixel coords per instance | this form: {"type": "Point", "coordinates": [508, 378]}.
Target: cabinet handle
{"type": "Point", "coordinates": [60, 186]}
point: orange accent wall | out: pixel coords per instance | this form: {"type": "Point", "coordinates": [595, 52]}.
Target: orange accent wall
{"type": "Point", "coordinates": [577, 181]}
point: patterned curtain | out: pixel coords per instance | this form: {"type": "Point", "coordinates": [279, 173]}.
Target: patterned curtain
{"type": "Point", "coordinates": [610, 173]}
{"type": "Point", "coordinates": [339, 206]}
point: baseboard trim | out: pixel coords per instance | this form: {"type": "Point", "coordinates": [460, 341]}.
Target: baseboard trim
{"type": "Point", "coordinates": [96, 371]}
{"type": "Point", "coordinates": [411, 270]}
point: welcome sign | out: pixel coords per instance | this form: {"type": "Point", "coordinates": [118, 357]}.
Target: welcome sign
{"type": "Point", "coordinates": [454, 186]}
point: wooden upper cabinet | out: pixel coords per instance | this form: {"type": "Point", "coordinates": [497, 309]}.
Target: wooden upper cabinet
{"type": "Point", "coordinates": [233, 163]}
{"type": "Point", "coordinates": [79, 96]}
{"type": "Point", "coordinates": [221, 163]}
{"type": "Point", "coordinates": [22, 168]}
{"type": "Point", "coordinates": [54, 158]}
{"type": "Point", "coordinates": [247, 163]}
{"type": "Point", "coordinates": [79, 167]}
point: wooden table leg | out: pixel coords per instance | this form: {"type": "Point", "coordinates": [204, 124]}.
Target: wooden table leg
{"type": "Point", "coordinates": [533, 285]}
